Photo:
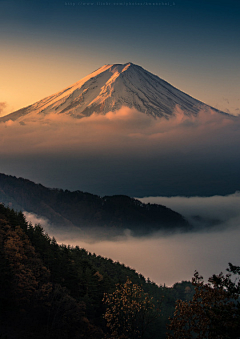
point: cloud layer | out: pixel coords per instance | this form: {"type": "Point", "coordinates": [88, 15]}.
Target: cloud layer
{"type": "Point", "coordinates": [118, 129]}
{"type": "Point", "coordinates": [171, 258]}
{"type": "Point", "coordinates": [222, 210]}
{"type": "Point", "coordinates": [126, 152]}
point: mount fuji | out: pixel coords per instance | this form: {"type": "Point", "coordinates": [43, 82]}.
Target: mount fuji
{"type": "Point", "coordinates": [108, 89]}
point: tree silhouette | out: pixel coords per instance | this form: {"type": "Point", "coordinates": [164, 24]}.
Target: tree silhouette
{"type": "Point", "coordinates": [129, 311]}
{"type": "Point", "coordinates": [214, 311]}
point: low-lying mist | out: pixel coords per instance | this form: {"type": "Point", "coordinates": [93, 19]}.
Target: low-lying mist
{"type": "Point", "coordinates": [126, 152]}
{"type": "Point", "coordinates": [169, 258]}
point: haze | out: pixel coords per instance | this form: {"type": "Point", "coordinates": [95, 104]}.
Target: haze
{"type": "Point", "coordinates": [170, 258]}
{"type": "Point", "coordinates": [127, 152]}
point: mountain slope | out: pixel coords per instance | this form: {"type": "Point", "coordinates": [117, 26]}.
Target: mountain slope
{"type": "Point", "coordinates": [87, 211]}
{"type": "Point", "coordinates": [108, 89]}
{"type": "Point", "coordinates": [56, 291]}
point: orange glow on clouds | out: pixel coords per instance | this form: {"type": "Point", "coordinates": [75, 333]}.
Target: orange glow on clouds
{"type": "Point", "coordinates": [125, 129]}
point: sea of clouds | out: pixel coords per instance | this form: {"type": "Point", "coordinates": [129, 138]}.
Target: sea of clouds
{"type": "Point", "coordinates": [126, 152]}
{"type": "Point", "coordinates": [169, 258]}
{"type": "Point", "coordinates": [186, 160]}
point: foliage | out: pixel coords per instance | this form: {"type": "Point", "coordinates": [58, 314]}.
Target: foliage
{"type": "Point", "coordinates": [55, 291]}
{"type": "Point", "coordinates": [31, 304]}
{"type": "Point", "coordinates": [214, 311]}
{"type": "Point", "coordinates": [129, 311]}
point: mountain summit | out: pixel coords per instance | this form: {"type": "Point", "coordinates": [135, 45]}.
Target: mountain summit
{"type": "Point", "coordinates": [108, 89]}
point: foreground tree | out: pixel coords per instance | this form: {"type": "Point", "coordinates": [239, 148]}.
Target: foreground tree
{"type": "Point", "coordinates": [214, 311]}
{"type": "Point", "coordinates": [129, 311]}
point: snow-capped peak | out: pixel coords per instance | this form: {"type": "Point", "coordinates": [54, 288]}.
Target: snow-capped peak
{"type": "Point", "coordinates": [108, 89]}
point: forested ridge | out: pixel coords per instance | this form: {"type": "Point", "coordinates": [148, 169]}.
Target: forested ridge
{"type": "Point", "coordinates": [53, 291]}
{"type": "Point", "coordinates": [85, 210]}
{"type": "Point", "coordinates": [56, 291]}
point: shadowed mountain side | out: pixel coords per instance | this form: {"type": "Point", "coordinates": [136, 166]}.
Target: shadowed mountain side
{"type": "Point", "coordinates": [86, 210]}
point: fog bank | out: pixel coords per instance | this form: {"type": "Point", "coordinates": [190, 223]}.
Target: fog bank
{"type": "Point", "coordinates": [126, 152]}
{"type": "Point", "coordinates": [171, 258]}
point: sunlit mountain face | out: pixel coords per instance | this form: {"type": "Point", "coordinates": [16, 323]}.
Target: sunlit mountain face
{"type": "Point", "coordinates": [123, 130]}
{"type": "Point", "coordinates": [109, 88]}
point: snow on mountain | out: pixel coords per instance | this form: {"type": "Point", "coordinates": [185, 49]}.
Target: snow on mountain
{"type": "Point", "coordinates": [108, 89]}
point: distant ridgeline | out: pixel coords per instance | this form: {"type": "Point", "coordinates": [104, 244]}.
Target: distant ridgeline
{"type": "Point", "coordinates": [85, 210]}
{"type": "Point", "coordinates": [52, 291]}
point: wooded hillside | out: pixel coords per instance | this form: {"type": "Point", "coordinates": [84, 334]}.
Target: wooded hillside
{"type": "Point", "coordinates": [85, 210]}
{"type": "Point", "coordinates": [56, 291]}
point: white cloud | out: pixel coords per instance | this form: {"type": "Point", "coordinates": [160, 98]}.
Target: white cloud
{"type": "Point", "coordinates": [170, 258]}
